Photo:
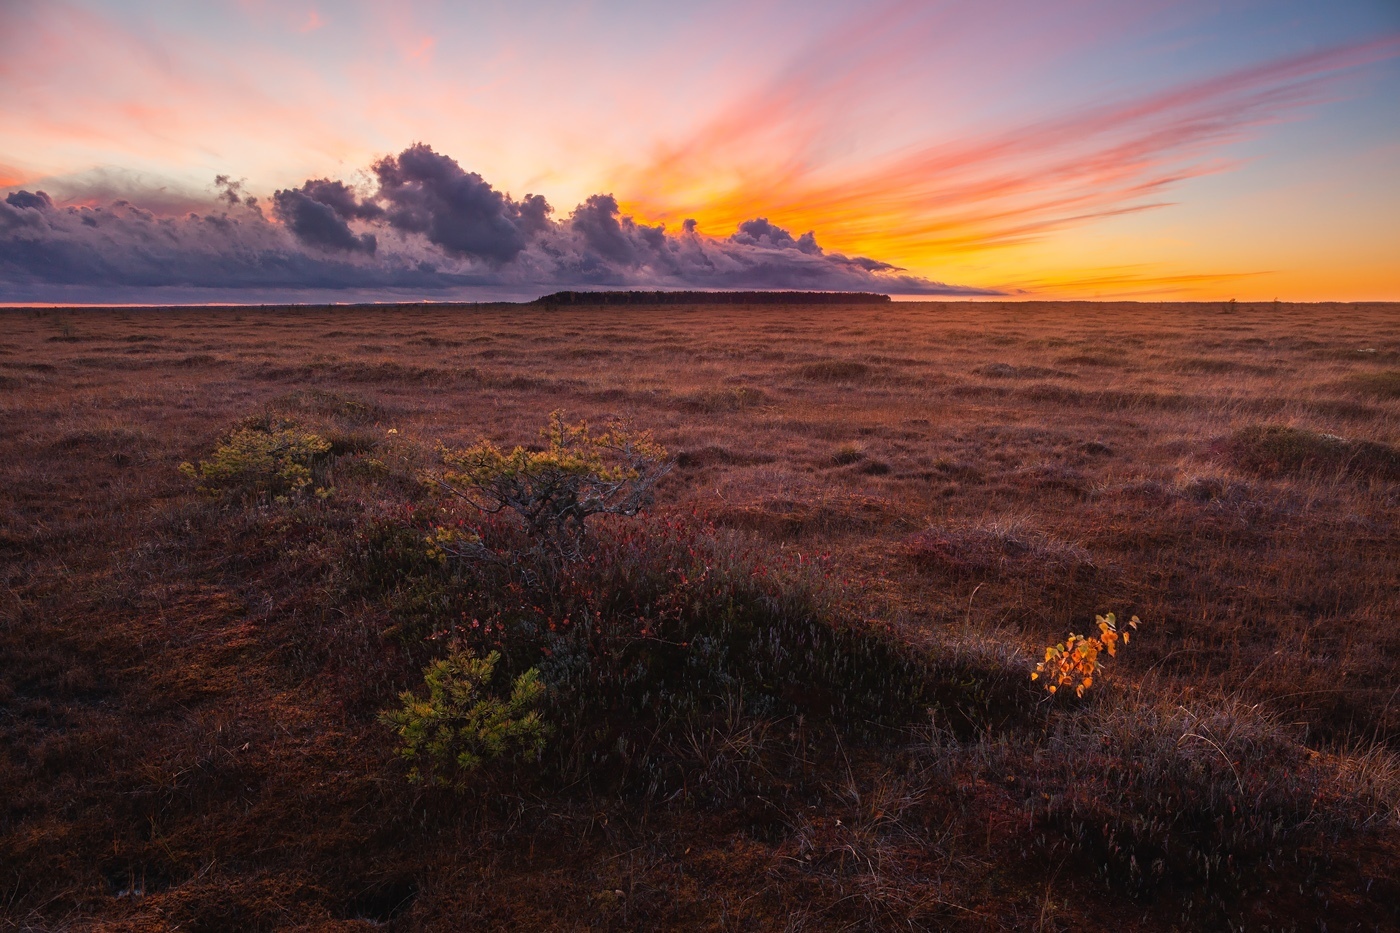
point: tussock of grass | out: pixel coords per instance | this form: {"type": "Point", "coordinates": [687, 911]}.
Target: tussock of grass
{"type": "Point", "coordinates": [1007, 371]}
{"type": "Point", "coordinates": [847, 454]}
{"type": "Point", "coordinates": [118, 445]}
{"type": "Point", "coordinates": [831, 515]}
{"type": "Point", "coordinates": [1163, 793]}
{"type": "Point", "coordinates": [356, 371]}
{"type": "Point", "coordinates": [715, 455]}
{"type": "Point", "coordinates": [995, 550]}
{"type": "Point", "coordinates": [1383, 383]}
{"type": "Point", "coordinates": [1209, 365]}
{"type": "Point", "coordinates": [1216, 489]}
{"type": "Point", "coordinates": [738, 398]}
{"type": "Point", "coordinates": [1101, 360]}
{"type": "Point", "coordinates": [833, 371]}
{"type": "Point", "coordinates": [342, 406]}
{"type": "Point", "coordinates": [1279, 450]}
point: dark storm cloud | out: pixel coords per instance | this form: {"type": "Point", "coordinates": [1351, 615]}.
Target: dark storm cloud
{"type": "Point", "coordinates": [429, 193]}
{"type": "Point", "coordinates": [859, 262]}
{"type": "Point", "coordinates": [534, 213]}
{"type": "Point", "coordinates": [21, 210]}
{"type": "Point", "coordinates": [341, 198]}
{"type": "Point", "coordinates": [318, 214]}
{"type": "Point", "coordinates": [428, 227]}
{"type": "Point", "coordinates": [29, 200]}
{"type": "Point", "coordinates": [236, 247]}
{"type": "Point", "coordinates": [614, 238]}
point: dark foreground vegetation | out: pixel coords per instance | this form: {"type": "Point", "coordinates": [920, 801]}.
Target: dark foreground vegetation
{"type": "Point", "coordinates": [302, 683]}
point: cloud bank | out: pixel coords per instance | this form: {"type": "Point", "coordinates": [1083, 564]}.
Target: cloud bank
{"type": "Point", "coordinates": [426, 226]}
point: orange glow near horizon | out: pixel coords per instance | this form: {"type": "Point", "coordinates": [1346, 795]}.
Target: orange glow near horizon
{"type": "Point", "coordinates": [989, 202]}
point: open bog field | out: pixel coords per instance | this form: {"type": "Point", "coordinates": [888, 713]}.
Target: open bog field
{"type": "Point", "coordinates": [794, 695]}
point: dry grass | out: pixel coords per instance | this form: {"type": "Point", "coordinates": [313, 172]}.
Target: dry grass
{"type": "Point", "coordinates": [188, 691]}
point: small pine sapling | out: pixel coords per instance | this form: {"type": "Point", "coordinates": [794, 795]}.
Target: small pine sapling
{"type": "Point", "coordinates": [460, 726]}
{"type": "Point", "coordinates": [266, 458]}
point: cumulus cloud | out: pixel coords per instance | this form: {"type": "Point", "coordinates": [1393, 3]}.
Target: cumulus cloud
{"type": "Point", "coordinates": [319, 214]}
{"type": "Point", "coordinates": [427, 227]}
{"type": "Point", "coordinates": [759, 232]}
{"type": "Point", "coordinates": [29, 200]}
{"type": "Point", "coordinates": [457, 210]}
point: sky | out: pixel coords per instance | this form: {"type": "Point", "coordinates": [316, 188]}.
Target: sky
{"type": "Point", "coordinates": [156, 151]}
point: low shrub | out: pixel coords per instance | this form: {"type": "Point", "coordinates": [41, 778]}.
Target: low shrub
{"type": "Point", "coordinates": [462, 725]}
{"type": "Point", "coordinates": [656, 626]}
{"type": "Point", "coordinates": [555, 491]}
{"type": "Point", "coordinates": [263, 457]}
{"type": "Point", "coordinates": [1075, 661]}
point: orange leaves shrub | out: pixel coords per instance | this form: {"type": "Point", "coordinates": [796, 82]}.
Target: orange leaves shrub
{"type": "Point", "coordinates": [1076, 660]}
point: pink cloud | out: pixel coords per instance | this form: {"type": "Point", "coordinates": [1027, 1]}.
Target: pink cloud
{"type": "Point", "coordinates": [981, 190]}
{"type": "Point", "coordinates": [312, 22]}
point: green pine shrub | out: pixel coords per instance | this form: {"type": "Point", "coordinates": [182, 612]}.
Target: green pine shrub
{"type": "Point", "coordinates": [268, 457]}
{"type": "Point", "coordinates": [462, 725]}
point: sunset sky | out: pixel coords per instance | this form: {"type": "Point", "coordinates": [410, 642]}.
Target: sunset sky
{"type": "Point", "coordinates": [1035, 148]}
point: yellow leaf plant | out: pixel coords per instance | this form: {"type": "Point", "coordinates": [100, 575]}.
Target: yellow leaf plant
{"type": "Point", "coordinates": [1076, 660]}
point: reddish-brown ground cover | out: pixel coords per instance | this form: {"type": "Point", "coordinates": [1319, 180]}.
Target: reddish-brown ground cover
{"type": "Point", "coordinates": [187, 719]}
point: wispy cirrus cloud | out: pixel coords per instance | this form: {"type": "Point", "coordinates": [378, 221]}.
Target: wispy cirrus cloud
{"type": "Point", "coordinates": [983, 190]}
{"type": "Point", "coordinates": [1129, 282]}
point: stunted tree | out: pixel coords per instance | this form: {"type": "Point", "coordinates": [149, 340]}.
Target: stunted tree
{"type": "Point", "coordinates": [555, 490]}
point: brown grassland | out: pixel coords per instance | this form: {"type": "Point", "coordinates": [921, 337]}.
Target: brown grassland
{"type": "Point", "coordinates": [191, 684]}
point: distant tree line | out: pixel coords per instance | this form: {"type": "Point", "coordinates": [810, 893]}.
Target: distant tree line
{"type": "Point", "coordinates": [710, 298]}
